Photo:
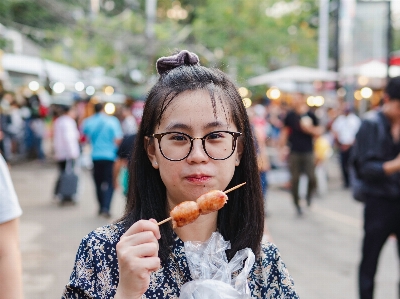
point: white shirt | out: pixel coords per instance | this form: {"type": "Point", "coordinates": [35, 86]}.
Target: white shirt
{"type": "Point", "coordinates": [129, 125]}
{"type": "Point", "coordinates": [9, 206]}
{"type": "Point", "coordinates": [346, 128]}
{"type": "Point", "coordinates": [66, 138]}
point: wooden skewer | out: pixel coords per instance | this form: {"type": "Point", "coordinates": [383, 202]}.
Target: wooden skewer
{"type": "Point", "coordinates": [234, 188]}
{"type": "Point", "coordinates": [165, 220]}
{"type": "Point", "coordinates": [227, 191]}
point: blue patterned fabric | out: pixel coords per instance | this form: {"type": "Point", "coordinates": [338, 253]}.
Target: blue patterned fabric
{"type": "Point", "coordinates": [95, 274]}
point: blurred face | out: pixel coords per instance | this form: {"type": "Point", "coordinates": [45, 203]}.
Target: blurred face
{"type": "Point", "coordinates": [192, 113]}
{"type": "Point", "coordinates": [72, 113]}
{"type": "Point", "coordinates": [392, 110]}
{"type": "Point", "coordinates": [299, 101]}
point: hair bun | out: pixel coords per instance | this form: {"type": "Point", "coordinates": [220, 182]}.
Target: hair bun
{"type": "Point", "coordinates": [184, 57]}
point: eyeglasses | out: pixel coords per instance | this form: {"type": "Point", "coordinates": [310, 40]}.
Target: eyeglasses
{"type": "Point", "coordinates": [176, 146]}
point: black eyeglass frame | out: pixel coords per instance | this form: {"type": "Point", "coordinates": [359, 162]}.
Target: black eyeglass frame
{"type": "Point", "coordinates": [235, 136]}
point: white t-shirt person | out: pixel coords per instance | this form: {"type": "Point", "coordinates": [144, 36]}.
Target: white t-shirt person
{"type": "Point", "coordinates": [346, 127]}
{"type": "Point", "coordinates": [9, 206]}
{"type": "Point", "coordinates": [66, 138]}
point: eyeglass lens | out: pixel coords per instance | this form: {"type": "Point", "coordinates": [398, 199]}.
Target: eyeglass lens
{"type": "Point", "coordinates": [176, 146]}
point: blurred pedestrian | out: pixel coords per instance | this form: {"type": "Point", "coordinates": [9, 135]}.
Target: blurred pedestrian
{"type": "Point", "coordinates": [10, 254]}
{"type": "Point", "coordinates": [121, 176]}
{"type": "Point", "coordinates": [344, 129]}
{"type": "Point", "coordinates": [129, 124]}
{"type": "Point", "coordinates": [104, 133]}
{"type": "Point", "coordinates": [376, 158]}
{"type": "Point", "coordinates": [257, 117]}
{"type": "Point", "coordinates": [300, 128]}
{"type": "Point", "coordinates": [66, 142]}
{"type": "Point", "coordinates": [36, 128]}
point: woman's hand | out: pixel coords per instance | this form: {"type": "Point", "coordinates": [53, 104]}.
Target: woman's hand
{"type": "Point", "coordinates": [137, 253]}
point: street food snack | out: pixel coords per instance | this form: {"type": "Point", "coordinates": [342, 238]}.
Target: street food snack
{"type": "Point", "coordinates": [188, 211]}
{"type": "Point", "coordinates": [211, 201]}
{"type": "Point", "coordinates": [184, 213]}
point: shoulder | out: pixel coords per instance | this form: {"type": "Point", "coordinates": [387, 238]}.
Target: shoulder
{"type": "Point", "coordinates": [370, 120]}
{"type": "Point", "coordinates": [371, 116]}
{"type": "Point", "coordinates": [86, 122]}
{"type": "Point", "coordinates": [311, 114]}
{"type": "Point", "coordinates": [290, 116]}
{"type": "Point", "coordinates": [9, 205]}
{"type": "Point", "coordinates": [105, 235]}
{"type": "Point", "coordinates": [269, 253]}
{"type": "Point", "coordinates": [270, 276]}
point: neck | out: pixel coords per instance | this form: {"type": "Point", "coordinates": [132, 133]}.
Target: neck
{"type": "Point", "coordinates": [301, 109]}
{"type": "Point", "coordinates": [200, 230]}
{"type": "Point", "coordinates": [386, 111]}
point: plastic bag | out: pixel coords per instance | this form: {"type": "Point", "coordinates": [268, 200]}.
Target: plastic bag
{"type": "Point", "coordinates": [212, 273]}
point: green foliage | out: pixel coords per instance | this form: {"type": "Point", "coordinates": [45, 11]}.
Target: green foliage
{"type": "Point", "coordinates": [238, 36]}
{"type": "Point", "coordinates": [258, 41]}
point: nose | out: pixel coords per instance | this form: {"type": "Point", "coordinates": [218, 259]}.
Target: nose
{"type": "Point", "coordinates": [197, 154]}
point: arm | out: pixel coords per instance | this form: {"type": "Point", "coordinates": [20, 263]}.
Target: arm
{"type": "Point", "coordinates": [276, 277]}
{"type": "Point", "coordinates": [283, 139]}
{"type": "Point", "coordinates": [117, 168]}
{"type": "Point", "coordinates": [392, 166]}
{"type": "Point", "coordinates": [313, 130]}
{"type": "Point", "coordinates": [368, 165]}
{"type": "Point", "coordinates": [10, 261]}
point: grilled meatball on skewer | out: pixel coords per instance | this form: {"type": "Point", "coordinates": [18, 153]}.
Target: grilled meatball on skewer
{"type": "Point", "coordinates": [188, 211]}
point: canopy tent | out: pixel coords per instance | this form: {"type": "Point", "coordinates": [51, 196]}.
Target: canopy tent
{"type": "Point", "coordinates": [371, 69]}
{"type": "Point", "coordinates": [39, 67]}
{"type": "Point", "coordinates": [296, 74]}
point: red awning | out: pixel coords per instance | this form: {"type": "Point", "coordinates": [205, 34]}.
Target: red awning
{"type": "Point", "coordinates": [395, 60]}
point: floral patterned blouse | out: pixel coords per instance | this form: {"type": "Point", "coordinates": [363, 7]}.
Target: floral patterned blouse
{"type": "Point", "coordinates": [95, 274]}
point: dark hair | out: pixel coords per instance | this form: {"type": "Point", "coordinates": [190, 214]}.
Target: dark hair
{"type": "Point", "coordinates": [64, 109]}
{"type": "Point", "coordinates": [98, 107]}
{"type": "Point", "coordinates": [241, 220]}
{"type": "Point", "coordinates": [393, 88]}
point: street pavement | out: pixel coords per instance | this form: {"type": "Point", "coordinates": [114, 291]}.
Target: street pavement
{"type": "Point", "coordinates": [321, 248]}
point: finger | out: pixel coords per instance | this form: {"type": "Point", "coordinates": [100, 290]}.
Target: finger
{"type": "Point", "coordinates": [155, 222]}
{"type": "Point", "coordinates": [144, 250]}
{"type": "Point", "coordinates": [143, 225]}
{"type": "Point", "coordinates": [152, 263]}
{"type": "Point", "coordinates": [139, 238]}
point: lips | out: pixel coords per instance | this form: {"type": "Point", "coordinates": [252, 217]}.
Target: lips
{"type": "Point", "coordinates": [198, 178]}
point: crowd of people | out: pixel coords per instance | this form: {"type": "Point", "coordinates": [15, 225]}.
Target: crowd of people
{"type": "Point", "coordinates": [171, 166]}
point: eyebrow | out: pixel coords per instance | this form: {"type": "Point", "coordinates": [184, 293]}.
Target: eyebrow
{"type": "Point", "coordinates": [214, 124]}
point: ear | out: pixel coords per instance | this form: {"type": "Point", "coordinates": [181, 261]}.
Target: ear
{"type": "Point", "coordinates": [239, 151]}
{"type": "Point", "coordinates": [385, 98]}
{"type": "Point", "coordinates": [150, 148]}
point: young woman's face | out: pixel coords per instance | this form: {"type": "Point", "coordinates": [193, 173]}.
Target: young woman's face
{"type": "Point", "coordinates": [192, 113]}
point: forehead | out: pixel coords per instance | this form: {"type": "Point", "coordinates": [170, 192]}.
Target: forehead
{"type": "Point", "coordinates": [196, 108]}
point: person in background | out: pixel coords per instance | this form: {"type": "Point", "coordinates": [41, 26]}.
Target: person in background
{"type": "Point", "coordinates": [257, 117]}
{"type": "Point", "coordinates": [104, 133]}
{"type": "Point", "coordinates": [65, 140]}
{"type": "Point", "coordinates": [10, 254]}
{"type": "Point", "coordinates": [300, 129]}
{"type": "Point", "coordinates": [129, 124]}
{"type": "Point", "coordinates": [37, 128]}
{"type": "Point", "coordinates": [376, 156]}
{"type": "Point", "coordinates": [344, 129]}
{"type": "Point", "coordinates": [120, 173]}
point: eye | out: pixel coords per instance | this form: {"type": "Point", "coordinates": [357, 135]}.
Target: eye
{"type": "Point", "coordinates": [177, 137]}
{"type": "Point", "coordinates": [215, 135]}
